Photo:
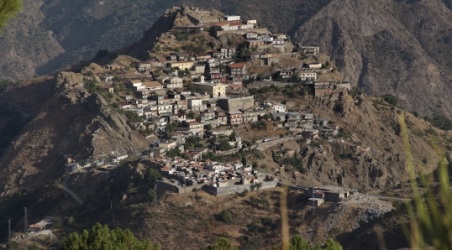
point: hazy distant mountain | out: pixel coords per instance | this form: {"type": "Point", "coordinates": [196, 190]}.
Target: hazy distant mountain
{"type": "Point", "coordinates": [48, 35]}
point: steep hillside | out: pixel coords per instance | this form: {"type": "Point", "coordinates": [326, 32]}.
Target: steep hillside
{"type": "Point", "coordinates": [64, 122]}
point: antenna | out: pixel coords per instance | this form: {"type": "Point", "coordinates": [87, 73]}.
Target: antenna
{"type": "Point", "coordinates": [26, 220]}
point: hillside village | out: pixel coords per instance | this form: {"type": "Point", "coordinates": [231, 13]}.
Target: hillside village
{"type": "Point", "coordinates": [204, 79]}
{"type": "Point", "coordinates": [224, 106]}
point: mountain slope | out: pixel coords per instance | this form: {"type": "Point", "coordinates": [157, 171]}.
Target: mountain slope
{"type": "Point", "coordinates": [64, 122]}
{"type": "Point", "coordinates": [389, 47]}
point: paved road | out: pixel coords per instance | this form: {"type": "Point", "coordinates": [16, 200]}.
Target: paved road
{"type": "Point", "coordinates": [373, 196]}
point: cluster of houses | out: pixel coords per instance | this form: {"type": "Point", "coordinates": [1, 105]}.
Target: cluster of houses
{"type": "Point", "coordinates": [182, 175]}
{"type": "Point", "coordinates": [202, 94]}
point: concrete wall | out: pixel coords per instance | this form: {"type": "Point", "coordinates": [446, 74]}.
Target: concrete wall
{"type": "Point", "coordinates": [234, 104]}
{"type": "Point", "coordinates": [163, 186]}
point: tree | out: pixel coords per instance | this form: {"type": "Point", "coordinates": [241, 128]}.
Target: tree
{"type": "Point", "coordinates": [258, 186]}
{"type": "Point", "coordinates": [191, 115]}
{"type": "Point", "coordinates": [8, 9]}
{"type": "Point", "coordinates": [298, 243]}
{"type": "Point", "coordinates": [222, 244]}
{"type": "Point", "coordinates": [101, 237]}
{"type": "Point", "coordinates": [224, 145]}
{"type": "Point", "coordinates": [338, 108]}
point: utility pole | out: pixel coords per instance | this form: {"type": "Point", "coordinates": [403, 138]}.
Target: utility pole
{"type": "Point", "coordinates": [26, 220]}
{"type": "Point", "coordinates": [9, 230]}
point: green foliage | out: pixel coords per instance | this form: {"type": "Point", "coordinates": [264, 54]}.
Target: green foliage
{"type": "Point", "coordinates": [298, 243]}
{"type": "Point", "coordinates": [224, 216]}
{"type": "Point", "coordinates": [133, 117]}
{"type": "Point", "coordinates": [390, 99]}
{"type": "Point", "coordinates": [5, 84]}
{"type": "Point", "coordinates": [338, 108]}
{"type": "Point", "coordinates": [221, 244]}
{"type": "Point", "coordinates": [169, 128]}
{"type": "Point", "coordinates": [191, 115]}
{"type": "Point", "coordinates": [175, 152]}
{"type": "Point", "coordinates": [259, 125]}
{"type": "Point", "coordinates": [101, 237]}
{"type": "Point", "coordinates": [8, 9]}
{"type": "Point", "coordinates": [193, 142]}
{"type": "Point", "coordinates": [213, 157]}
{"type": "Point", "coordinates": [440, 122]}
{"type": "Point", "coordinates": [181, 35]}
{"type": "Point", "coordinates": [430, 212]}
{"type": "Point", "coordinates": [224, 145]}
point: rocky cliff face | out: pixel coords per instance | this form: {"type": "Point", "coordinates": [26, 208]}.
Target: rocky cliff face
{"type": "Point", "coordinates": [69, 121]}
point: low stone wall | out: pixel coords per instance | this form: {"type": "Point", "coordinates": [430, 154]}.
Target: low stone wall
{"type": "Point", "coordinates": [237, 188]}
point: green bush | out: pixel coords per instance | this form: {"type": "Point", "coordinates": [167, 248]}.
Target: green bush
{"type": "Point", "coordinates": [101, 237]}
{"type": "Point", "coordinates": [133, 117]}
{"type": "Point", "coordinates": [338, 108]}
{"type": "Point", "coordinates": [222, 244]}
{"type": "Point", "coordinates": [390, 99]}
{"type": "Point", "coordinates": [224, 216]}
{"type": "Point", "coordinates": [440, 122]}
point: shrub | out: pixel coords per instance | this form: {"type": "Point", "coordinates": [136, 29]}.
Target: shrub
{"type": "Point", "coordinates": [390, 99]}
{"type": "Point", "coordinates": [224, 216]}
{"type": "Point", "coordinates": [338, 107]}
{"type": "Point", "coordinates": [440, 122]}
